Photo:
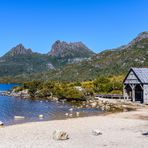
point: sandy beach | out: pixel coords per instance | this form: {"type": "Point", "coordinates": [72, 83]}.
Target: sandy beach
{"type": "Point", "coordinates": [120, 130]}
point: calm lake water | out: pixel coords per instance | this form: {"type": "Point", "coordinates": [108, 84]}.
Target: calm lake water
{"type": "Point", "coordinates": [5, 87]}
{"type": "Point", "coordinates": [30, 109]}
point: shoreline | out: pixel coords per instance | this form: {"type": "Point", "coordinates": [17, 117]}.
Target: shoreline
{"type": "Point", "coordinates": [123, 129]}
{"type": "Point", "coordinates": [106, 107]}
{"type": "Point", "coordinates": [101, 114]}
{"type": "Point", "coordinates": [57, 119]}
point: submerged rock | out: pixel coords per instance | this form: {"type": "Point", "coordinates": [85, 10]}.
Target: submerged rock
{"type": "Point", "coordinates": [1, 124]}
{"type": "Point", "coordinates": [71, 109]}
{"type": "Point", "coordinates": [19, 117]}
{"type": "Point", "coordinates": [15, 93]}
{"type": "Point", "coordinates": [77, 114]}
{"type": "Point", "coordinates": [66, 114]}
{"type": "Point", "coordinates": [70, 115]}
{"type": "Point", "coordinates": [60, 135]}
{"type": "Point", "coordinates": [41, 116]}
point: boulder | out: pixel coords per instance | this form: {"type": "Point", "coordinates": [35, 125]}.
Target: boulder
{"type": "Point", "coordinates": [107, 108]}
{"type": "Point", "coordinates": [96, 132]}
{"type": "Point", "coordinates": [55, 99]}
{"type": "Point", "coordinates": [94, 104]}
{"type": "Point", "coordinates": [102, 108]}
{"type": "Point", "coordinates": [87, 106]}
{"type": "Point", "coordinates": [125, 110]}
{"type": "Point", "coordinates": [60, 135]}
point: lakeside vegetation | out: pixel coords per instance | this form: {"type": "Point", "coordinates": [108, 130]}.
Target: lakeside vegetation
{"type": "Point", "coordinates": [73, 90]}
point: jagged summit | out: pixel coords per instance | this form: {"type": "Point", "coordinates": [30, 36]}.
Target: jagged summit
{"type": "Point", "coordinates": [63, 49]}
{"type": "Point", "coordinates": [19, 50]}
{"type": "Point", "coordinates": [141, 41]}
{"type": "Point", "coordinates": [74, 61]}
{"type": "Point", "coordinates": [141, 36]}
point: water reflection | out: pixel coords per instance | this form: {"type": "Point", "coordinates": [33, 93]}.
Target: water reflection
{"type": "Point", "coordinates": [31, 109]}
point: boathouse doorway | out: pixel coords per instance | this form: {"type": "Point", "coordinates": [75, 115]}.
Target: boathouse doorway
{"type": "Point", "coordinates": [134, 92]}
{"type": "Point", "coordinates": [139, 93]}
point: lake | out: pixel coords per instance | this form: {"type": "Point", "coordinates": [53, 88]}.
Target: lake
{"type": "Point", "coordinates": [31, 109]}
{"type": "Point", "coordinates": [5, 87]}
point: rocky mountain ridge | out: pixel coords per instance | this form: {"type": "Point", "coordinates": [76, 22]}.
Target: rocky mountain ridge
{"type": "Point", "coordinates": [19, 50]}
{"type": "Point", "coordinates": [56, 65]}
{"type": "Point", "coordinates": [24, 60]}
{"type": "Point", "coordinates": [140, 37]}
{"type": "Point", "coordinates": [61, 49]}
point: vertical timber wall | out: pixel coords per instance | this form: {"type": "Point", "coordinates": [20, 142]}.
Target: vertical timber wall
{"type": "Point", "coordinates": [145, 93]}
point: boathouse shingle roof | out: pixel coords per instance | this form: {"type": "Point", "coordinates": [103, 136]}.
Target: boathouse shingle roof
{"type": "Point", "coordinates": [142, 74]}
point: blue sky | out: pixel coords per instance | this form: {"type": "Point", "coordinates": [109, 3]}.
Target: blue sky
{"type": "Point", "coordinates": [100, 24]}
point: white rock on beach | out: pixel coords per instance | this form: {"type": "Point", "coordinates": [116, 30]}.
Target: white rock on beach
{"type": "Point", "coordinates": [60, 135]}
{"type": "Point", "coordinates": [96, 132]}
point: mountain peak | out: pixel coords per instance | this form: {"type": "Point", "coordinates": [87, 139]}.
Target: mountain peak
{"type": "Point", "coordinates": [144, 34]}
{"type": "Point", "coordinates": [19, 50]}
{"type": "Point", "coordinates": [63, 49]}
{"type": "Point", "coordinates": [140, 37]}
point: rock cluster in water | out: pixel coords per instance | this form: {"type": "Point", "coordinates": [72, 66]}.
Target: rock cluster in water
{"type": "Point", "coordinates": [22, 94]}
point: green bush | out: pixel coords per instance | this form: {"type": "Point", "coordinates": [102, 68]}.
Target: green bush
{"type": "Point", "coordinates": [32, 87]}
{"type": "Point", "coordinates": [63, 90]}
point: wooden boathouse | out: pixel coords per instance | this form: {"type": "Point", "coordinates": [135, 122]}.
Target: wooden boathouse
{"type": "Point", "coordinates": [136, 85]}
